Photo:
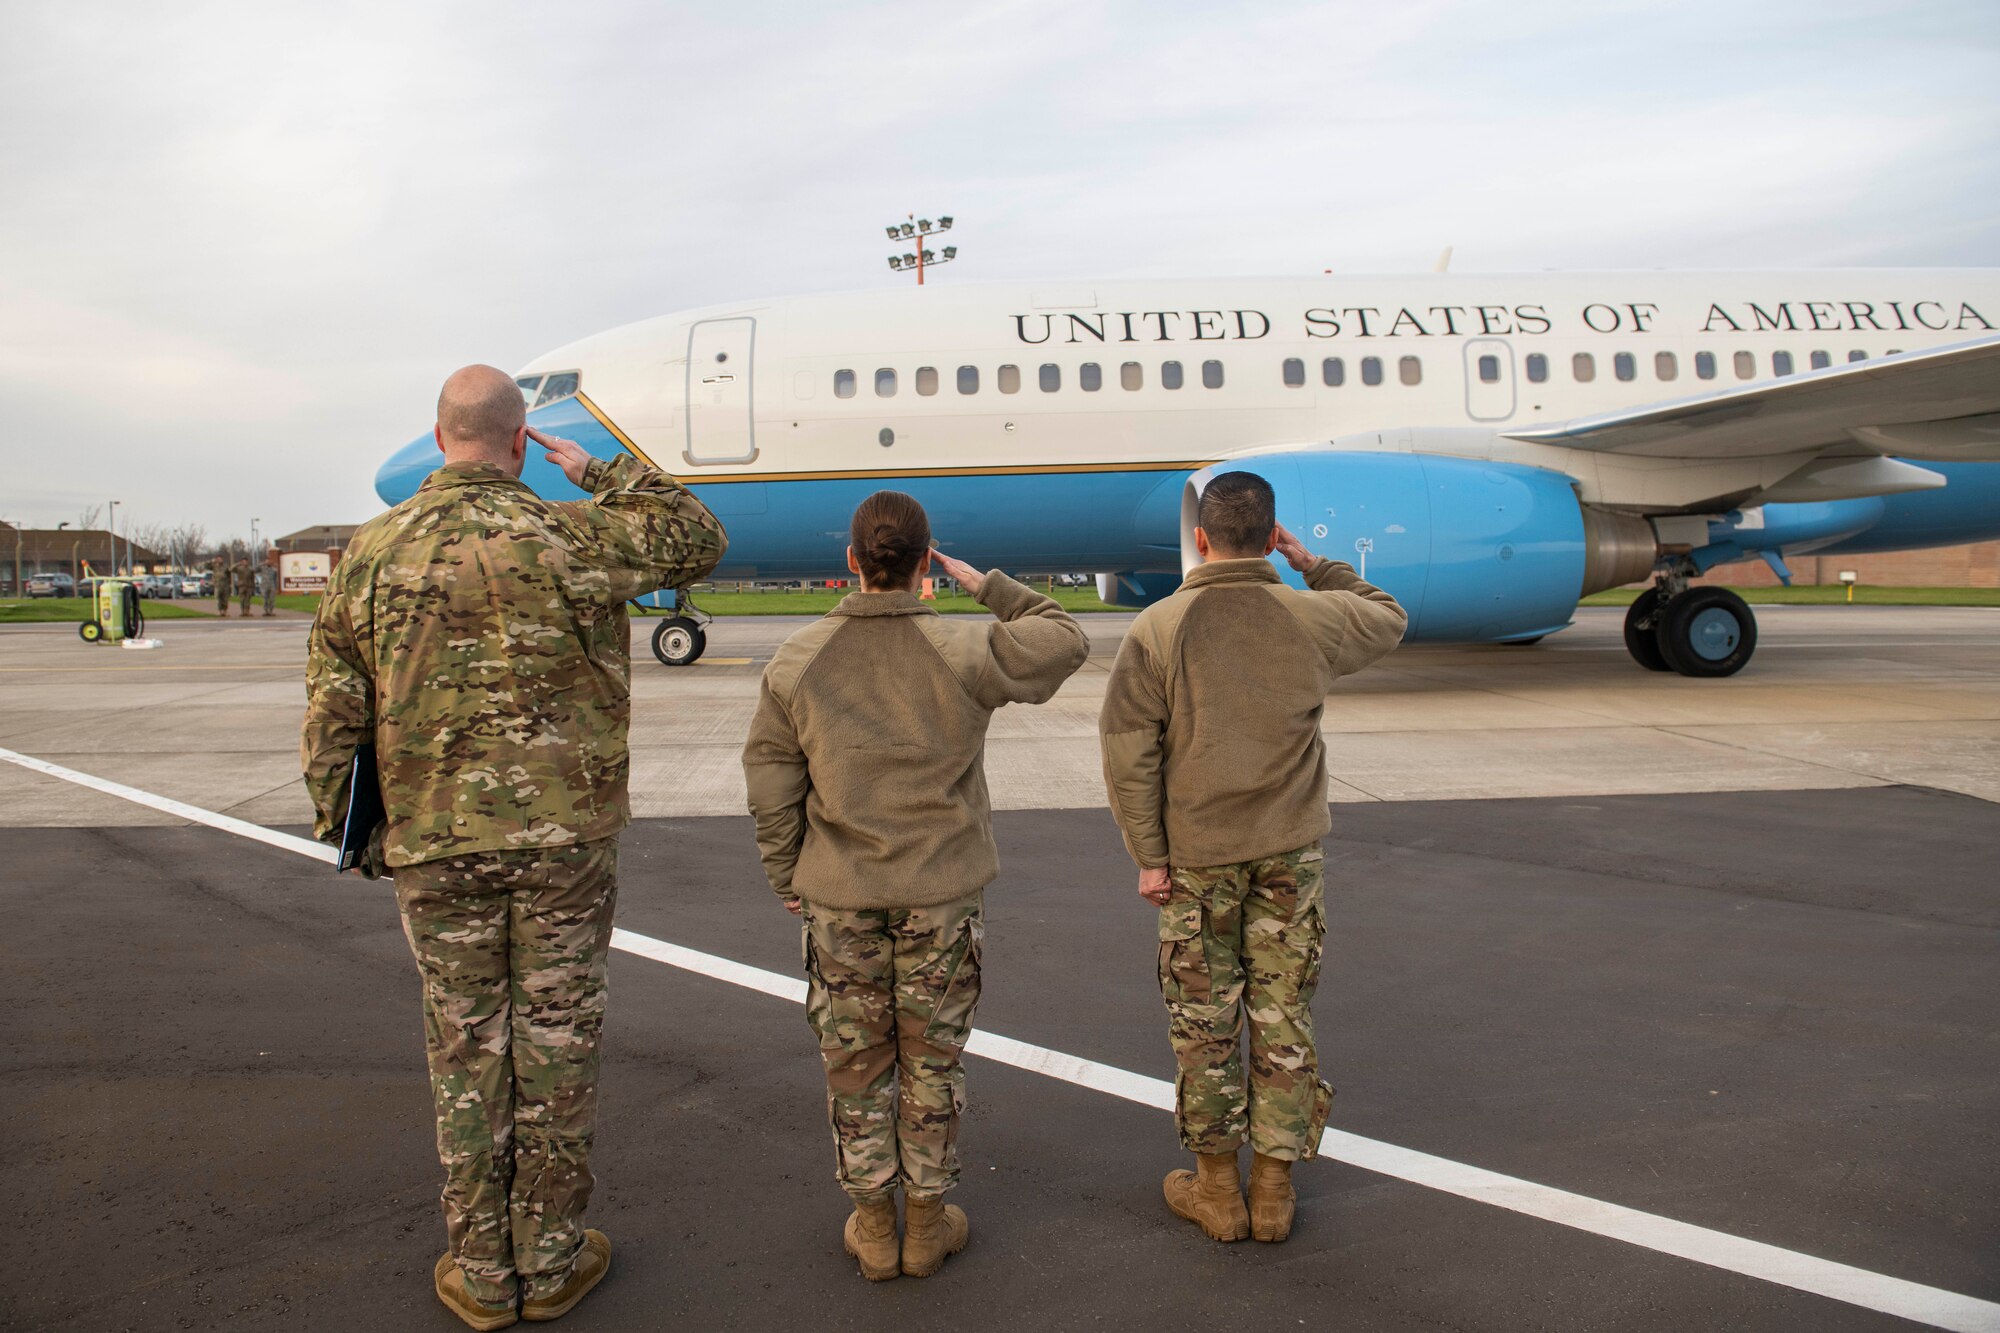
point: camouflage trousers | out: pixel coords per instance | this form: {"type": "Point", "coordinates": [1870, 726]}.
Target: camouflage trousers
{"type": "Point", "coordinates": [1241, 941]}
{"type": "Point", "coordinates": [890, 994]}
{"type": "Point", "coordinates": [511, 947]}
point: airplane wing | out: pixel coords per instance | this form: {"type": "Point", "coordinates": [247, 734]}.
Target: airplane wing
{"type": "Point", "coordinates": [1942, 404]}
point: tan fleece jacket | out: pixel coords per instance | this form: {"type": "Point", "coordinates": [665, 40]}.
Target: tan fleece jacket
{"type": "Point", "coordinates": [1210, 728]}
{"type": "Point", "coordinates": [866, 763]}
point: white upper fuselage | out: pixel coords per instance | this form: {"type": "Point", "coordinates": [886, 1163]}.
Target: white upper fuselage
{"type": "Point", "coordinates": [869, 383]}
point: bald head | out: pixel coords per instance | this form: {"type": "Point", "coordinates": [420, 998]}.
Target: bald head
{"type": "Point", "coordinates": [479, 417]}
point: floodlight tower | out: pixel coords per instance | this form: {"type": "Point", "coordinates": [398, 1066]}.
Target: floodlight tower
{"type": "Point", "coordinates": [919, 230]}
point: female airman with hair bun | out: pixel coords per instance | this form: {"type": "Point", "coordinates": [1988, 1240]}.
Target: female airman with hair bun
{"type": "Point", "coordinates": [866, 775]}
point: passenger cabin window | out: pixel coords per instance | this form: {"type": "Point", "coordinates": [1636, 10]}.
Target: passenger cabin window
{"type": "Point", "coordinates": [1746, 366]}
{"type": "Point", "coordinates": [1050, 377]}
{"type": "Point", "coordinates": [1009, 379]}
{"type": "Point", "coordinates": [1704, 365]}
{"type": "Point", "coordinates": [556, 388]}
{"type": "Point", "coordinates": [968, 379]}
{"type": "Point", "coordinates": [885, 383]}
{"type": "Point", "coordinates": [1538, 368]}
{"type": "Point", "coordinates": [1295, 373]}
{"type": "Point", "coordinates": [1410, 370]}
{"type": "Point", "coordinates": [1821, 360]}
{"type": "Point", "coordinates": [843, 384]}
{"type": "Point", "coordinates": [1090, 377]}
{"type": "Point", "coordinates": [1130, 376]}
{"type": "Point", "coordinates": [1333, 372]}
{"type": "Point", "coordinates": [1665, 367]}
{"type": "Point", "coordinates": [1371, 370]}
{"type": "Point", "coordinates": [1624, 366]}
{"type": "Point", "coordinates": [1857, 355]}
{"type": "Point", "coordinates": [1584, 367]}
{"type": "Point", "coordinates": [1170, 374]}
{"type": "Point", "coordinates": [1781, 363]}
{"type": "Point", "coordinates": [1489, 369]}
{"type": "Point", "coordinates": [927, 381]}
{"type": "Point", "coordinates": [1211, 374]}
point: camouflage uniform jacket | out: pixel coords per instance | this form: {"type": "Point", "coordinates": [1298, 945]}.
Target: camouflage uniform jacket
{"type": "Point", "coordinates": [478, 635]}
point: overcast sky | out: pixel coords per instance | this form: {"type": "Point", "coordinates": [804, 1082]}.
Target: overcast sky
{"type": "Point", "coordinates": [240, 244]}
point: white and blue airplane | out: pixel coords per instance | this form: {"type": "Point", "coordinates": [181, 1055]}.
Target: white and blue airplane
{"type": "Point", "coordinates": [1490, 449]}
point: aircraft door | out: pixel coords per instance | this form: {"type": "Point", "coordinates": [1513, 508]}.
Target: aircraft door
{"type": "Point", "coordinates": [1489, 379]}
{"type": "Point", "coordinates": [720, 427]}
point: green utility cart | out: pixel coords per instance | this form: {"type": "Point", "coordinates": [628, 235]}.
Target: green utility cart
{"type": "Point", "coordinates": [117, 615]}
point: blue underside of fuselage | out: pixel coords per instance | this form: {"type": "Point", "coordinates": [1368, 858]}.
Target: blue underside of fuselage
{"type": "Point", "coordinates": [1124, 521]}
{"type": "Point", "coordinates": [1027, 522]}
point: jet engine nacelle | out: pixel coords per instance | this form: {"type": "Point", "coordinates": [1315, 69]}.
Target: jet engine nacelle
{"type": "Point", "coordinates": [1475, 551]}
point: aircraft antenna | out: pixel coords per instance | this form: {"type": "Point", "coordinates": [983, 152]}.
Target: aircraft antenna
{"type": "Point", "coordinates": [1444, 261]}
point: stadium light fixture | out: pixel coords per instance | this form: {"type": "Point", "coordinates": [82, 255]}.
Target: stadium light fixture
{"type": "Point", "coordinates": [919, 259]}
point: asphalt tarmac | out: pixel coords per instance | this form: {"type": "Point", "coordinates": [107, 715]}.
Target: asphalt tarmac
{"type": "Point", "coordinates": [1769, 1013]}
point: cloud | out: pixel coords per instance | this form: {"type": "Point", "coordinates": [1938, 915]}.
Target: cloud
{"type": "Point", "coordinates": [244, 242]}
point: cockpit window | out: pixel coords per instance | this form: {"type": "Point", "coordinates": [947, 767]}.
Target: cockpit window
{"type": "Point", "coordinates": [563, 384]}
{"type": "Point", "coordinates": [530, 385]}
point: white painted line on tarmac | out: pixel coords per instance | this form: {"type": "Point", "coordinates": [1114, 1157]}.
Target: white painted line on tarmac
{"type": "Point", "coordinates": [1716, 1249]}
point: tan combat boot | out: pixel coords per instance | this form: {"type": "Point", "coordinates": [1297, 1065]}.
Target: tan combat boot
{"type": "Point", "coordinates": [932, 1231]}
{"type": "Point", "coordinates": [1271, 1198]}
{"type": "Point", "coordinates": [450, 1286]}
{"type": "Point", "coordinates": [870, 1237]}
{"type": "Point", "coordinates": [1211, 1196]}
{"type": "Point", "coordinates": [593, 1261]}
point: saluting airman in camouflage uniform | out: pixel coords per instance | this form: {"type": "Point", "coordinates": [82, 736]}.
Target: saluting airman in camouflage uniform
{"type": "Point", "coordinates": [1217, 776]}
{"type": "Point", "coordinates": [478, 636]}
{"type": "Point", "coordinates": [221, 567]}
{"type": "Point", "coordinates": [243, 584]}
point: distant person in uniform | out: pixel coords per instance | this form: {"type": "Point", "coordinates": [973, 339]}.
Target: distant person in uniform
{"type": "Point", "coordinates": [478, 636]}
{"type": "Point", "coordinates": [267, 587]}
{"type": "Point", "coordinates": [866, 774]}
{"type": "Point", "coordinates": [220, 568]}
{"type": "Point", "coordinates": [1217, 778]}
{"type": "Point", "coordinates": [243, 586]}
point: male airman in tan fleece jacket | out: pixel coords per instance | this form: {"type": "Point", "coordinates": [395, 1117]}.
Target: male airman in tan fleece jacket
{"type": "Point", "coordinates": [1217, 777]}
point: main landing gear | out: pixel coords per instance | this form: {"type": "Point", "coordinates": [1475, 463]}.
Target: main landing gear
{"type": "Point", "coordinates": [681, 638]}
{"type": "Point", "coordinates": [1695, 631]}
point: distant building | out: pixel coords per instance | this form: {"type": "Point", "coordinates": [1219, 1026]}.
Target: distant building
{"type": "Point", "coordinates": [323, 537]}
{"type": "Point", "coordinates": [1973, 566]}
{"type": "Point", "coordinates": [34, 551]}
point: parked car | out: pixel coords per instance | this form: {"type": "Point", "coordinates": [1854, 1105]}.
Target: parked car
{"type": "Point", "coordinates": [86, 588]}
{"type": "Point", "coordinates": [189, 585]}
{"type": "Point", "coordinates": [52, 585]}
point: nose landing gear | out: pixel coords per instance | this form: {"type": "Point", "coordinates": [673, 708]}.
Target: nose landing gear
{"type": "Point", "coordinates": [1695, 631]}
{"type": "Point", "coordinates": [681, 639]}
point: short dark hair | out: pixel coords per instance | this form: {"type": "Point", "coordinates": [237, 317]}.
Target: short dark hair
{"type": "Point", "coordinates": [891, 535]}
{"type": "Point", "coordinates": [1238, 511]}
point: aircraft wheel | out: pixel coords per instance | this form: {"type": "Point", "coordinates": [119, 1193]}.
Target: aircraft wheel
{"type": "Point", "coordinates": [90, 631]}
{"type": "Point", "coordinates": [678, 641]}
{"type": "Point", "coordinates": [1641, 622]}
{"type": "Point", "coordinates": [1707, 632]}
